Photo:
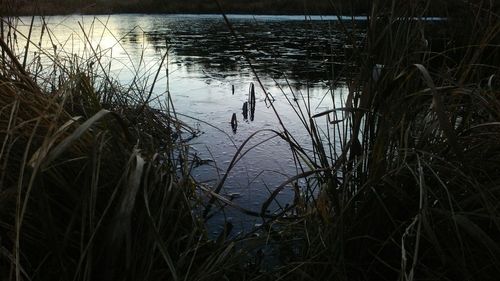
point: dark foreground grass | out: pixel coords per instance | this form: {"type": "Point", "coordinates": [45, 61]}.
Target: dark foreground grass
{"type": "Point", "coordinates": [412, 192]}
{"type": "Point", "coordinates": [94, 183]}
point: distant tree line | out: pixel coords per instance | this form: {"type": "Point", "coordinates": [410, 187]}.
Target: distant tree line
{"type": "Point", "coordinates": [183, 6]}
{"type": "Point", "coordinates": [344, 7]}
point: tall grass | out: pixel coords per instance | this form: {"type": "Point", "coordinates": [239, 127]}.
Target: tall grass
{"type": "Point", "coordinates": [413, 191]}
{"type": "Point", "coordinates": [402, 184]}
{"type": "Point", "coordinates": [94, 182]}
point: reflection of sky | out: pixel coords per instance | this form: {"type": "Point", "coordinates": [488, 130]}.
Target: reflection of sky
{"type": "Point", "coordinates": [204, 63]}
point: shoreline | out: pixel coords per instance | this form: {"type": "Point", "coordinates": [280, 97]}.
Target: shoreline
{"type": "Point", "coordinates": [235, 16]}
{"type": "Point", "coordinates": [49, 7]}
{"type": "Point", "coordinates": [320, 8]}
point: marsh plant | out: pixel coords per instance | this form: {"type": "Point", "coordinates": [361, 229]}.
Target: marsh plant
{"type": "Point", "coordinates": [412, 191]}
{"type": "Point", "coordinates": [400, 184]}
{"type": "Point", "coordinates": [94, 181]}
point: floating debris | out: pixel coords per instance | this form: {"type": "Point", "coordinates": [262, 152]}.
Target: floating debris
{"type": "Point", "coordinates": [234, 195]}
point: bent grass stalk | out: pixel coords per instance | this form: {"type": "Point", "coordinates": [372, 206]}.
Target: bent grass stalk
{"type": "Point", "coordinates": [85, 193]}
{"type": "Point", "coordinates": [411, 194]}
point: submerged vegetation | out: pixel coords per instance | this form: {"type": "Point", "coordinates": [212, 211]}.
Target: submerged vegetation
{"type": "Point", "coordinates": [403, 183]}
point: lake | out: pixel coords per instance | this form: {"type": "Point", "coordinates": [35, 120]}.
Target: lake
{"type": "Point", "coordinates": [300, 61]}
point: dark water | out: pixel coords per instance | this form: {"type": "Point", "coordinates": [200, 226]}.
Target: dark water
{"type": "Point", "coordinates": [307, 51]}
{"type": "Point", "coordinates": [209, 78]}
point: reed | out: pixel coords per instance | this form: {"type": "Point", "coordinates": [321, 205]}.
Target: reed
{"type": "Point", "coordinates": [401, 184]}
{"type": "Point", "coordinates": [412, 191]}
{"type": "Point", "coordinates": [94, 182]}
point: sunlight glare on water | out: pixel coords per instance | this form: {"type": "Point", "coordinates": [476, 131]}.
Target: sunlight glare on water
{"type": "Point", "coordinates": [294, 57]}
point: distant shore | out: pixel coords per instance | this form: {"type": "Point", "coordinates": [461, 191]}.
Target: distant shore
{"type": "Point", "coordinates": [275, 7]}
{"type": "Point", "coordinates": [258, 7]}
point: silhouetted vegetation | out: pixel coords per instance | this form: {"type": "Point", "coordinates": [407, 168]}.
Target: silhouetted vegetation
{"type": "Point", "coordinates": [402, 183]}
{"type": "Point", "coordinates": [94, 182]}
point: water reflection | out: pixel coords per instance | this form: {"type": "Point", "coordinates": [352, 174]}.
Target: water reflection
{"type": "Point", "coordinates": [210, 80]}
{"type": "Point", "coordinates": [303, 50]}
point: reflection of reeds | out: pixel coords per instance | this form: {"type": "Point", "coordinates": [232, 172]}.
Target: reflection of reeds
{"type": "Point", "coordinates": [234, 123]}
{"type": "Point", "coordinates": [244, 109]}
{"type": "Point", "coordinates": [251, 101]}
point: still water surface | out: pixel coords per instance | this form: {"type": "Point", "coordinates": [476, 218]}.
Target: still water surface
{"type": "Point", "coordinates": [296, 58]}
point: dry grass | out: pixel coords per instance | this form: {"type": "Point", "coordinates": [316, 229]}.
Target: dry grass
{"type": "Point", "coordinates": [94, 183]}
{"type": "Point", "coordinates": [88, 189]}
{"type": "Point", "coordinates": [412, 193]}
